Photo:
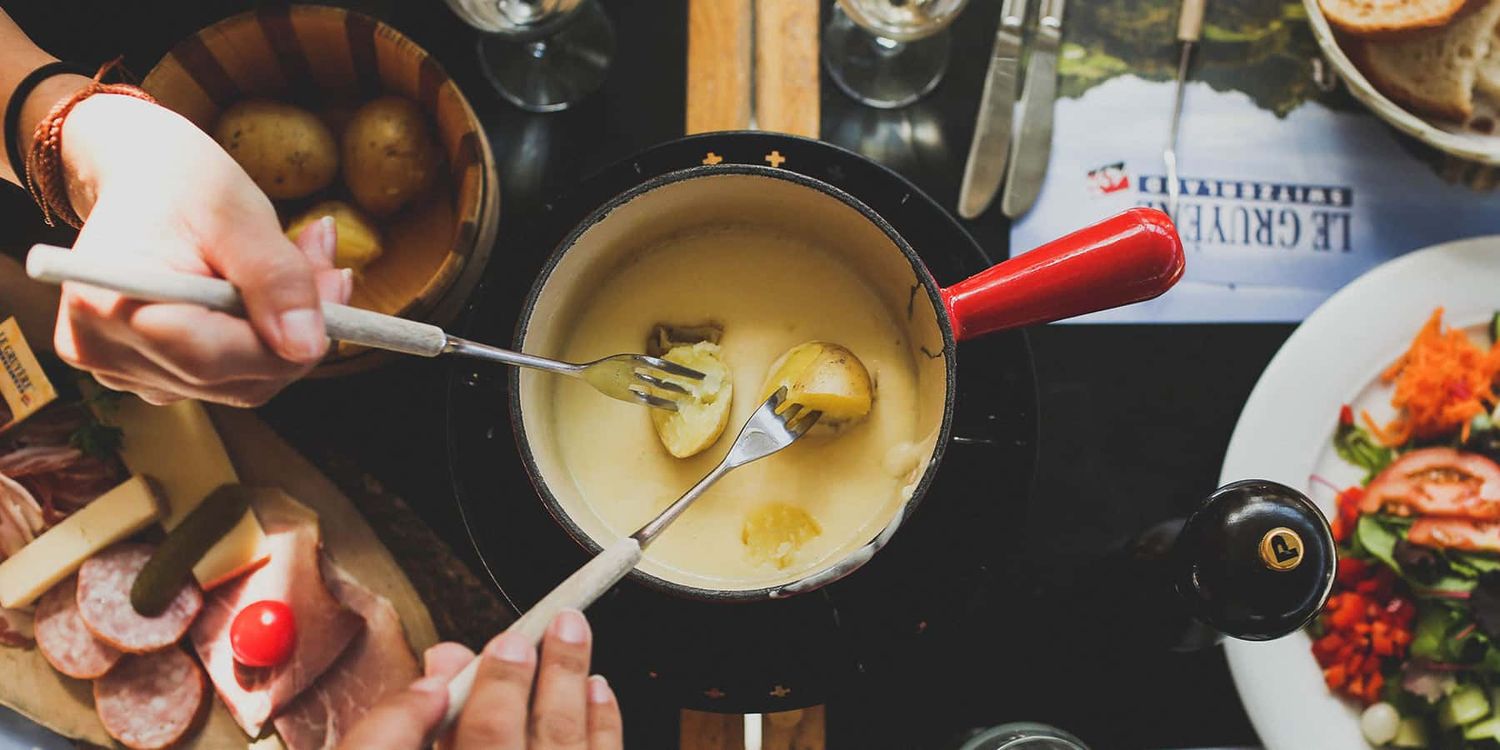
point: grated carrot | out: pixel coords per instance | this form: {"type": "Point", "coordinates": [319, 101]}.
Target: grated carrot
{"type": "Point", "coordinates": [1442, 382]}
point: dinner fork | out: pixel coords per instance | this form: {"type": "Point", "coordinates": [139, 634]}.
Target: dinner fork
{"type": "Point", "coordinates": [773, 426]}
{"type": "Point", "coordinates": [635, 378]}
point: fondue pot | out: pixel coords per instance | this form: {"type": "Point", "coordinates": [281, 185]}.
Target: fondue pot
{"type": "Point", "coordinates": [1131, 257]}
{"type": "Point", "coordinates": [911, 606]}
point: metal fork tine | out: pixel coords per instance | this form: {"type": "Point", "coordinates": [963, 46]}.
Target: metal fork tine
{"type": "Point", "coordinates": [791, 411]}
{"type": "Point", "coordinates": [665, 385]}
{"type": "Point", "coordinates": [654, 401]}
{"type": "Point", "coordinates": [808, 420]}
{"type": "Point", "coordinates": [777, 398]}
{"type": "Point", "coordinates": [670, 368]}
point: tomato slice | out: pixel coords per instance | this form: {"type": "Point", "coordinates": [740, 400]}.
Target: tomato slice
{"type": "Point", "coordinates": [1456, 533]}
{"type": "Point", "coordinates": [263, 634]}
{"type": "Point", "coordinates": [1437, 482]}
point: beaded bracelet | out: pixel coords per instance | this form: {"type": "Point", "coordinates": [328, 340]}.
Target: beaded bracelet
{"type": "Point", "coordinates": [45, 178]}
{"type": "Point", "coordinates": [18, 100]}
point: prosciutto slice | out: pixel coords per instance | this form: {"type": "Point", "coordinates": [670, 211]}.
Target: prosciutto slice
{"type": "Point", "coordinates": [37, 454]}
{"type": "Point", "coordinates": [17, 629]}
{"type": "Point", "coordinates": [64, 479]}
{"type": "Point", "coordinates": [376, 663]}
{"type": "Point", "coordinates": [325, 627]}
{"type": "Point", "coordinates": [20, 517]}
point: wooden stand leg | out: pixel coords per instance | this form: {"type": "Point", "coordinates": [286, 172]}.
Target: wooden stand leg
{"type": "Point", "coordinates": [803, 729]}
{"type": "Point", "coordinates": [786, 66]}
{"type": "Point", "coordinates": [718, 65]}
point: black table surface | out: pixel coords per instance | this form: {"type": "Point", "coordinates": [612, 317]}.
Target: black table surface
{"type": "Point", "coordinates": [1134, 418]}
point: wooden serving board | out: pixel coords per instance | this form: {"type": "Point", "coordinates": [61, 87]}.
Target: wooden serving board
{"type": "Point", "coordinates": [64, 705]}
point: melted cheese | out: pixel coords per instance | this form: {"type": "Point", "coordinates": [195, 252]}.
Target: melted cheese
{"type": "Point", "coordinates": [769, 293]}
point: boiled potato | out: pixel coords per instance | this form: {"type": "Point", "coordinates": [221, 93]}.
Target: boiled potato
{"type": "Point", "coordinates": [287, 151]}
{"type": "Point", "coordinates": [824, 377]}
{"type": "Point", "coordinates": [389, 156]}
{"type": "Point", "coordinates": [358, 239]}
{"type": "Point", "coordinates": [774, 532]}
{"type": "Point", "coordinates": [701, 417]}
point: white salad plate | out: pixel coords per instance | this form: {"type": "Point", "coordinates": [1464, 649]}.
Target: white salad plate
{"type": "Point", "coordinates": [1285, 434]}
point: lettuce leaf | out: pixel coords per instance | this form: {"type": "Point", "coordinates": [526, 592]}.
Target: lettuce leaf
{"type": "Point", "coordinates": [1377, 539]}
{"type": "Point", "coordinates": [1354, 445]}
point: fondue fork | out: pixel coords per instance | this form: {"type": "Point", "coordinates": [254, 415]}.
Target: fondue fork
{"type": "Point", "coordinates": [635, 378]}
{"type": "Point", "coordinates": [770, 429]}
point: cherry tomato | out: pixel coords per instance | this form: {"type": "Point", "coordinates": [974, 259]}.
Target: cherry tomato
{"type": "Point", "coordinates": [263, 634]}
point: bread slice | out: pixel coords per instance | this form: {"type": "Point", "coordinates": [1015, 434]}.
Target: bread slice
{"type": "Point", "coordinates": [1488, 80]}
{"type": "Point", "coordinates": [1433, 72]}
{"type": "Point", "coordinates": [1384, 17]}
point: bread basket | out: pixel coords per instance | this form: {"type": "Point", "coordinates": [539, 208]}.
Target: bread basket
{"type": "Point", "coordinates": [1450, 139]}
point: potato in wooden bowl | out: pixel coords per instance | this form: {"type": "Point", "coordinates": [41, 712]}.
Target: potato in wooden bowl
{"type": "Point", "coordinates": [425, 243]}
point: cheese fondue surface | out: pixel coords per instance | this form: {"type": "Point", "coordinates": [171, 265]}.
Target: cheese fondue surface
{"type": "Point", "coordinates": [780, 518]}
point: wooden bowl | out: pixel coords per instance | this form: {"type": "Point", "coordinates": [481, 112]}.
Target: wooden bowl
{"type": "Point", "coordinates": [330, 60]}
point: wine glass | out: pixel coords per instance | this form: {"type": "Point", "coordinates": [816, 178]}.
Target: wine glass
{"type": "Point", "coordinates": [1023, 736]}
{"type": "Point", "coordinates": [542, 55]}
{"type": "Point", "coordinates": [888, 53]}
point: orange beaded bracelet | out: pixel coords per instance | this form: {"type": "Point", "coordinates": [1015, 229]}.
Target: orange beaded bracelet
{"type": "Point", "coordinates": [45, 178]}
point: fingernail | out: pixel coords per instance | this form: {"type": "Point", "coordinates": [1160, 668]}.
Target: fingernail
{"type": "Point", "coordinates": [347, 275]}
{"type": "Point", "coordinates": [430, 685]}
{"type": "Point", "coordinates": [328, 237]}
{"type": "Point", "coordinates": [570, 627]}
{"type": "Point", "coordinates": [302, 333]}
{"type": "Point", "coordinates": [427, 658]}
{"type": "Point", "coordinates": [599, 691]}
{"type": "Point", "coordinates": [510, 647]}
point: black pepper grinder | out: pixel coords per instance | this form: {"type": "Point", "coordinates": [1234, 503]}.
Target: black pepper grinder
{"type": "Point", "coordinates": [1255, 561]}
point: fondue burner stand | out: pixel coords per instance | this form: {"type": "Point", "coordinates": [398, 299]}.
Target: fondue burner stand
{"type": "Point", "coordinates": [776, 655]}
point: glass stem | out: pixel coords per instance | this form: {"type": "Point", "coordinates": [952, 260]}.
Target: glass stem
{"type": "Point", "coordinates": [886, 47]}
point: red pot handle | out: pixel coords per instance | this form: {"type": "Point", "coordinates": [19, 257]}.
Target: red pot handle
{"type": "Point", "coordinates": [1129, 257]}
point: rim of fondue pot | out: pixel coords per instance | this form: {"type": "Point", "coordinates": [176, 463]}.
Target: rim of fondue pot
{"type": "Point", "coordinates": [918, 489]}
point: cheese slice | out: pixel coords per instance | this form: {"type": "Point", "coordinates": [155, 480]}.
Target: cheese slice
{"type": "Point", "coordinates": [177, 446]}
{"type": "Point", "coordinates": [58, 552]}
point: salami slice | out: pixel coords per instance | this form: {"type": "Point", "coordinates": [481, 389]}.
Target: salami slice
{"type": "Point", "coordinates": [148, 701]}
{"type": "Point", "coordinates": [104, 584]}
{"type": "Point", "coordinates": [60, 635]}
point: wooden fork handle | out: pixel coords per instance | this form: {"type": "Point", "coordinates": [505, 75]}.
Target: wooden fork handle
{"type": "Point", "coordinates": [576, 592]}
{"type": "Point", "coordinates": [57, 265]}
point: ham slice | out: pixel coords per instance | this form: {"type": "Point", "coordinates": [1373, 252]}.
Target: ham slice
{"type": "Point", "coordinates": [376, 663]}
{"type": "Point", "coordinates": [325, 627]}
{"type": "Point", "coordinates": [1456, 533]}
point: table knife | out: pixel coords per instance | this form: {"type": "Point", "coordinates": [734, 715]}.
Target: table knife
{"type": "Point", "coordinates": [991, 144]}
{"type": "Point", "coordinates": [1031, 145]}
{"type": "Point", "coordinates": [1189, 27]}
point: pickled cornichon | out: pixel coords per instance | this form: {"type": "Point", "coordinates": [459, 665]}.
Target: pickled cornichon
{"type": "Point", "coordinates": [173, 561]}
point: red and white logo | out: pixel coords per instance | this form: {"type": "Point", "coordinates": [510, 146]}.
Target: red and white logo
{"type": "Point", "coordinates": [1110, 178]}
